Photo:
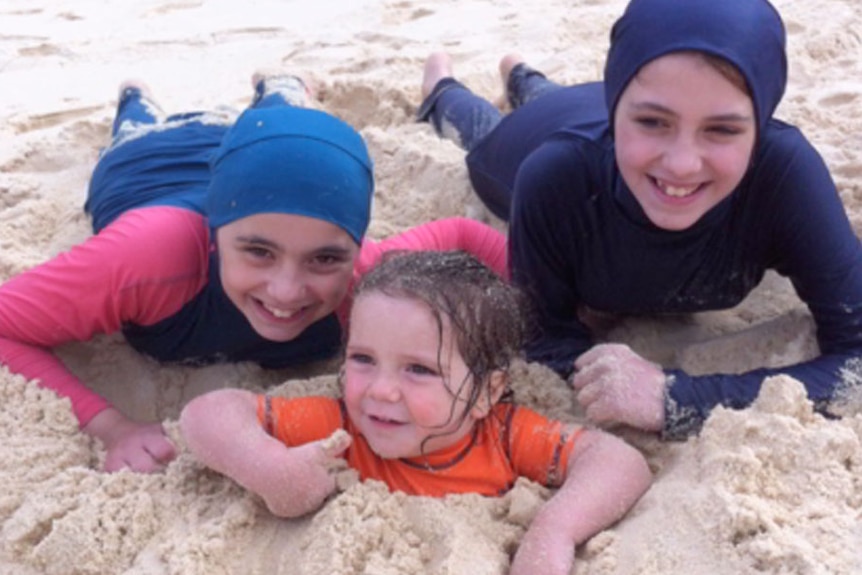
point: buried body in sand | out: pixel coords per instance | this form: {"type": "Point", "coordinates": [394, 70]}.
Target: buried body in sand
{"type": "Point", "coordinates": [775, 488]}
{"type": "Point", "coordinates": [771, 489]}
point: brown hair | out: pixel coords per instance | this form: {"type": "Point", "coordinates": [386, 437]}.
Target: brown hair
{"type": "Point", "coordinates": [730, 72]}
{"type": "Point", "coordinates": [483, 311]}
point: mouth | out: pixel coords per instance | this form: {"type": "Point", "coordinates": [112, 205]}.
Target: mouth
{"type": "Point", "coordinates": [282, 314]}
{"type": "Point", "coordinates": [676, 191]}
{"type": "Point", "coordinates": [385, 421]}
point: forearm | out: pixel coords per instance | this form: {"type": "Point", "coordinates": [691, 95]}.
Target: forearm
{"type": "Point", "coordinates": [222, 430]}
{"type": "Point", "coordinates": [605, 478]}
{"type": "Point", "coordinates": [690, 399]}
{"type": "Point", "coordinates": [35, 363]}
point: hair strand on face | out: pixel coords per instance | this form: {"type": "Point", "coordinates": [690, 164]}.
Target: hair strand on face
{"type": "Point", "coordinates": [484, 312]}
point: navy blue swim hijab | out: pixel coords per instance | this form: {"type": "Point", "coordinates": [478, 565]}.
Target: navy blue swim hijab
{"type": "Point", "coordinates": [293, 161]}
{"type": "Point", "coordinates": [747, 33]}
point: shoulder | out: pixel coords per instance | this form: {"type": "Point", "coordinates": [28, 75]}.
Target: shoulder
{"type": "Point", "coordinates": [160, 237]}
{"type": "Point", "coordinates": [783, 148]}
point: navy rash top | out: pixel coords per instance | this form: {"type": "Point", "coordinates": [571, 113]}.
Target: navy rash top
{"type": "Point", "coordinates": [579, 238]}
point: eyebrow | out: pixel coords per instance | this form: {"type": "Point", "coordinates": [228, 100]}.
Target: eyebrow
{"type": "Point", "coordinates": [653, 107]}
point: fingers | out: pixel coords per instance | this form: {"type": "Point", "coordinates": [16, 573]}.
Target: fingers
{"type": "Point", "coordinates": [602, 351]}
{"type": "Point", "coordinates": [336, 444]}
{"type": "Point", "coordinates": [161, 449]}
{"type": "Point", "coordinates": [146, 451]}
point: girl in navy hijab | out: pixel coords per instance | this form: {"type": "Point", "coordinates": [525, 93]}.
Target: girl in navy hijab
{"type": "Point", "coordinates": [668, 188]}
{"type": "Point", "coordinates": [215, 241]}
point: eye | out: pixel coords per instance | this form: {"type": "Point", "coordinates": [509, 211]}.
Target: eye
{"type": "Point", "coordinates": [725, 130]}
{"type": "Point", "coordinates": [329, 261]}
{"type": "Point", "coordinates": [423, 370]}
{"type": "Point", "coordinates": [326, 259]}
{"type": "Point", "coordinates": [360, 358]}
{"type": "Point", "coordinates": [257, 252]}
{"type": "Point", "coordinates": [651, 122]}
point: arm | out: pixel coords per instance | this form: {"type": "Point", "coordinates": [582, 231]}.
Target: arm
{"type": "Point", "coordinates": [545, 239]}
{"type": "Point", "coordinates": [222, 430]}
{"type": "Point", "coordinates": [812, 242]}
{"type": "Point", "coordinates": [120, 275]}
{"type": "Point", "coordinates": [605, 477]}
{"type": "Point", "coordinates": [484, 242]}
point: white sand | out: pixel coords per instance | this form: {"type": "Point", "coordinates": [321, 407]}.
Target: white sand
{"type": "Point", "coordinates": [772, 489]}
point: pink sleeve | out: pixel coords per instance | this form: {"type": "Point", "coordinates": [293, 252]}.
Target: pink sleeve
{"type": "Point", "coordinates": [481, 240]}
{"type": "Point", "coordinates": [142, 268]}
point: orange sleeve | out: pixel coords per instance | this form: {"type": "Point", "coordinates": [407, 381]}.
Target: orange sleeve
{"type": "Point", "coordinates": [540, 447]}
{"type": "Point", "coordinates": [299, 420]}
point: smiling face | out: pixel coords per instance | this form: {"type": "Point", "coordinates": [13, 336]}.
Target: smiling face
{"type": "Point", "coordinates": [403, 382]}
{"type": "Point", "coordinates": [284, 272]}
{"type": "Point", "coordinates": [684, 137]}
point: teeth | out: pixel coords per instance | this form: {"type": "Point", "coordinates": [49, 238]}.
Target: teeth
{"type": "Point", "coordinates": [677, 192]}
{"type": "Point", "coordinates": [281, 314]}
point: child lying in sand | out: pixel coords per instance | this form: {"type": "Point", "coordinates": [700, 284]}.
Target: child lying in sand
{"type": "Point", "coordinates": [427, 410]}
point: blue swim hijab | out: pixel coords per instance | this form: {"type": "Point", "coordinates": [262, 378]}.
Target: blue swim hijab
{"type": "Point", "coordinates": [292, 160]}
{"type": "Point", "coordinates": [747, 33]}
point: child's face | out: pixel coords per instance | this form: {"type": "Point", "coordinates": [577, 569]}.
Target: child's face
{"type": "Point", "coordinates": [401, 382]}
{"type": "Point", "coordinates": [684, 136]}
{"type": "Point", "coordinates": [284, 272]}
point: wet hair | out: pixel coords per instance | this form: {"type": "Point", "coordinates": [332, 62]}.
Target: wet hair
{"type": "Point", "coordinates": [483, 311]}
{"type": "Point", "coordinates": [727, 70]}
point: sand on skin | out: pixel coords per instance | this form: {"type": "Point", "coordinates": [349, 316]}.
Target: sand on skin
{"type": "Point", "coordinates": [772, 489]}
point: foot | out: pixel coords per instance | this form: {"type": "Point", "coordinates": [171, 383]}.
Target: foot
{"type": "Point", "coordinates": [507, 64]}
{"type": "Point", "coordinates": [437, 66]}
{"type": "Point", "coordinates": [133, 85]}
{"type": "Point", "coordinates": [296, 90]}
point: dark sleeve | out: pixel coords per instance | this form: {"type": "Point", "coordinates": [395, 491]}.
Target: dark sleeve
{"type": "Point", "coordinates": [543, 242]}
{"type": "Point", "coordinates": [815, 246]}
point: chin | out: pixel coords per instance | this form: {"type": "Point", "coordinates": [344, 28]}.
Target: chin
{"type": "Point", "coordinates": [279, 335]}
{"type": "Point", "coordinates": [675, 222]}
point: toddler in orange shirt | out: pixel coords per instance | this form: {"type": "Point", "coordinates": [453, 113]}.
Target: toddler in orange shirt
{"type": "Point", "coordinates": [427, 409]}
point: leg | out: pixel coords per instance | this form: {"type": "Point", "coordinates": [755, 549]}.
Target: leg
{"type": "Point", "coordinates": [135, 107]}
{"type": "Point", "coordinates": [522, 83]}
{"type": "Point", "coordinates": [455, 112]}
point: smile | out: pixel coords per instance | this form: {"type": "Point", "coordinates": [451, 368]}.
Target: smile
{"type": "Point", "coordinates": [675, 191]}
{"type": "Point", "coordinates": [379, 420]}
{"type": "Point", "coordinates": [281, 313]}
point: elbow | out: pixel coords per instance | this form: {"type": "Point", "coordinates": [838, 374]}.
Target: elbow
{"type": "Point", "coordinates": [206, 421]}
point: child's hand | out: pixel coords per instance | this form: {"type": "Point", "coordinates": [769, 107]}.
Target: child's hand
{"type": "Point", "coordinates": [616, 385]}
{"type": "Point", "coordinates": [307, 476]}
{"type": "Point", "coordinates": [543, 551]}
{"type": "Point", "coordinates": [131, 444]}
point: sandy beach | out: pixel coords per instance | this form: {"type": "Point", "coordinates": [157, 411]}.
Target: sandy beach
{"type": "Point", "coordinates": [773, 489]}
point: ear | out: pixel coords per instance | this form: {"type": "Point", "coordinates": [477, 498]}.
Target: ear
{"type": "Point", "coordinates": [496, 385]}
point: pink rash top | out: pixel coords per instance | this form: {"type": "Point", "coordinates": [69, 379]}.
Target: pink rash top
{"type": "Point", "coordinates": [143, 268]}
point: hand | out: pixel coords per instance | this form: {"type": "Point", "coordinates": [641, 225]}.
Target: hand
{"type": "Point", "coordinates": [615, 385]}
{"type": "Point", "coordinates": [304, 476]}
{"type": "Point", "coordinates": [543, 551]}
{"type": "Point", "coordinates": [142, 447]}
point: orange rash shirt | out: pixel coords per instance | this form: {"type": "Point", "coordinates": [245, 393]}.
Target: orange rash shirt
{"type": "Point", "coordinates": [512, 441]}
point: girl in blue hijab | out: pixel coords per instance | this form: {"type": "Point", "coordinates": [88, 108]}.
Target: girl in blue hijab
{"type": "Point", "coordinates": [216, 239]}
{"type": "Point", "coordinates": [667, 188]}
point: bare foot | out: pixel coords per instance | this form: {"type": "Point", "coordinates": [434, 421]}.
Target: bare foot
{"type": "Point", "coordinates": [507, 63]}
{"type": "Point", "coordinates": [437, 66]}
{"type": "Point", "coordinates": [136, 84]}
{"type": "Point", "coordinates": [296, 89]}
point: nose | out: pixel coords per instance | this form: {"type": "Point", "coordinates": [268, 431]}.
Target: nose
{"type": "Point", "coordinates": [287, 284]}
{"type": "Point", "coordinates": [682, 157]}
{"type": "Point", "coordinates": [384, 387]}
